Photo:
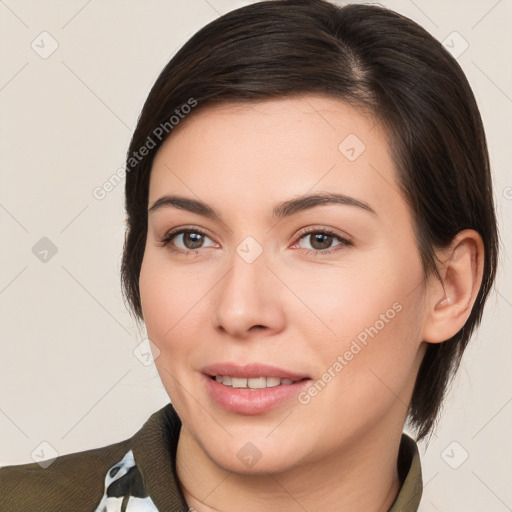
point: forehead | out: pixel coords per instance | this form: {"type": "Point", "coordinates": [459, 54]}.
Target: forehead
{"type": "Point", "coordinates": [247, 152]}
{"type": "Point", "coordinates": [283, 125]}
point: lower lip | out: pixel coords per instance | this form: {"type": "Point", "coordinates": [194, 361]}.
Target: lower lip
{"type": "Point", "coordinates": [249, 401]}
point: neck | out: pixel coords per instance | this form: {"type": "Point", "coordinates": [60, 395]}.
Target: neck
{"type": "Point", "coordinates": [361, 475]}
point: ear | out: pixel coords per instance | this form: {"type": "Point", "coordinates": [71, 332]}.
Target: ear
{"type": "Point", "coordinates": [450, 301]}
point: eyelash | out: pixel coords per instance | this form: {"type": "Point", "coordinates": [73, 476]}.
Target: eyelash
{"type": "Point", "coordinates": [324, 231]}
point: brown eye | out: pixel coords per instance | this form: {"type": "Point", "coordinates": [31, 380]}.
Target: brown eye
{"type": "Point", "coordinates": [192, 240]}
{"type": "Point", "coordinates": [187, 240]}
{"type": "Point", "coordinates": [322, 241]}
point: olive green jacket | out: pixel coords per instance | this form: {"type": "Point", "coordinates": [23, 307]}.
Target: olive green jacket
{"type": "Point", "coordinates": [139, 475]}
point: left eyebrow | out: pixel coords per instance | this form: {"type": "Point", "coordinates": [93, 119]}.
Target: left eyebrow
{"type": "Point", "coordinates": [281, 210]}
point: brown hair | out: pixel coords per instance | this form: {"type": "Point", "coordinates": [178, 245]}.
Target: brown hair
{"type": "Point", "coordinates": [372, 58]}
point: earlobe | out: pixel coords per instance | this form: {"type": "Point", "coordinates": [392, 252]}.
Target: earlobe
{"type": "Point", "coordinates": [451, 300]}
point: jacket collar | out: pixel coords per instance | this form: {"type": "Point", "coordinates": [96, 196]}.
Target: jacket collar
{"type": "Point", "coordinates": [155, 444]}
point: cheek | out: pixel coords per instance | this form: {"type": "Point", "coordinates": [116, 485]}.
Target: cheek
{"type": "Point", "coordinates": [170, 296]}
{"type": "Point", "coordinates": [366, 323]}
{"type": "Point", "coordinates": [169, 307]}
{"type": "Point", "coordinates": [371, 363]}
{"type": "Point", "coordinates": [380, 378]}
{"type": "Point", "coordinates": [343, 301]}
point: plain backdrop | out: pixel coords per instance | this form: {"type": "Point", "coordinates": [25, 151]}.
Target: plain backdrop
{"type": "Point", "coordinates": [73, 77]}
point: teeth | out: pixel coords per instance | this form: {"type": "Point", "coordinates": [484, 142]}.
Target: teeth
{"type": "Point", "coordinates": [273, 381]}
{"type": "Point", "coordinates": [252, 383]}
{"type": "Point", "coordinates": [238, 383]}
{"type": "Point", "coordinates": [257, 383]}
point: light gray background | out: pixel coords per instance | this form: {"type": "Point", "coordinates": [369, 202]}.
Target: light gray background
{"type": "Point", "coordinates": [68, 375]}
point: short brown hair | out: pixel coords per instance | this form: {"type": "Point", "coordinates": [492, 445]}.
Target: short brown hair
{"type": "Point", "coordinates": [372, 58]}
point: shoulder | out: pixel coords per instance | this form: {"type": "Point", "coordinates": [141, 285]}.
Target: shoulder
{"type": "Point", "coordinates": [126, 474]}
{"type": "Point", "coordinates": [70, 482]}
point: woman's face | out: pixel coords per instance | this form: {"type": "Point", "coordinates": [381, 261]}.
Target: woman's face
{"type": "Point", "coordinates": [254, 286]}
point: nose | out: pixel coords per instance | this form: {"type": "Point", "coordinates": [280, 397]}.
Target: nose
{"type": "Point", "coordinates": [248, 299]}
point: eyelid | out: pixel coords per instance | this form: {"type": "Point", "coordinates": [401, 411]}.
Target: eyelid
{"type": "Point", "coordinates": [323, 229]}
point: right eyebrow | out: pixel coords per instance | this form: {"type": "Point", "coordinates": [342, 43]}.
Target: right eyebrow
{"type": "Point", "coordinates": [184, 203]}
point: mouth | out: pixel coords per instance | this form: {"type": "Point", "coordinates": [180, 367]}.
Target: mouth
{"type": "Point", "coordinates": [254, 382]}
{"type": "Point", "coordinates": [252, 389]}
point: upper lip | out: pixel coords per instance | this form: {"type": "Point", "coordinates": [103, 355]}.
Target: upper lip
{"type": "Point", "coordinates": [250, 371]}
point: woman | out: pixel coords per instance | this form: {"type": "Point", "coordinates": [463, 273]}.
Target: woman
{"type": "Point", "coordinates": [310, 243]}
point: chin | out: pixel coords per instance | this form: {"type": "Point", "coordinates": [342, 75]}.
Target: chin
{"type": "Point", "coordinates": [252, 458]}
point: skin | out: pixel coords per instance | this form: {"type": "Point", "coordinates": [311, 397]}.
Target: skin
{"type": "Point", "coordinates": [292, 308]}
